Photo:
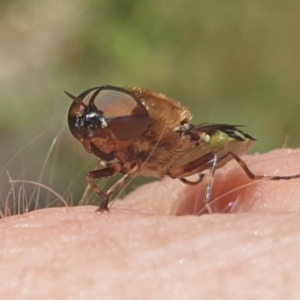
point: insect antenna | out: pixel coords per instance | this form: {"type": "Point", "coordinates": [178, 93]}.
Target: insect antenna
{"type": "Point", "coordinates": [75, 99]}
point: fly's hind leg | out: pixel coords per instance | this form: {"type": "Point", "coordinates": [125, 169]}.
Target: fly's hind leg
{"type": "Point", "coordinates": [208, 188]}
{"type": "Point", "coordinates": [211, 161]}
{"type": "Point", "coordinates": [247, 171]}
{"type": "Point", "coordinates": [207, 161]}
{"type": "Point", "coordinates": [199, 180]}
{"type": "Point", "coordinates": [252, 176]}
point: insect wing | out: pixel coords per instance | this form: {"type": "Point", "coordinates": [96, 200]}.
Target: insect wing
{"type": "Point", "coordinates": [217, 138]}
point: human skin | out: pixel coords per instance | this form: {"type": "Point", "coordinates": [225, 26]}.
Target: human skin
{"type": "Point", "coordinates": [142, 248]}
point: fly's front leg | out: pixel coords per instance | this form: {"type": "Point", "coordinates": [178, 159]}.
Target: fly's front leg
{"type": "Point", "coordinates": [122, 181]}
{"type": "Point", "coordinates": [100, 163]}
{"type": "Point", "coordinates": [106, 172]}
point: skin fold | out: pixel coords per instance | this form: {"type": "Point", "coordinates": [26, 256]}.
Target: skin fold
{"type": "Point", "coordinates": [159, 244]}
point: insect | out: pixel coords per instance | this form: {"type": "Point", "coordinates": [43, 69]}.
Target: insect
{"type": "Point", "coordinates": [137, 132]}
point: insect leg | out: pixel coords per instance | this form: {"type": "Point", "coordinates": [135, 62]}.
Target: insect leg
{"type": "Point", "coordinates": [118, 185]}
{"type": "Point", "coordinates": [245, 168]}
{"type": "Point", "coordinates": [208, 188]}
{"type": "Point", "coordinates": [252, 176]}
{"type": "Point", "coordinates": [185, 181]}
{"type": "Point", "coordinates": [193, 167]}
{"type": "Point", "coordinates": [106, 172]}
{"type": "Point", "coordinates": [82, 201]}
{"type": "Point", "coordinates": [209, 160]}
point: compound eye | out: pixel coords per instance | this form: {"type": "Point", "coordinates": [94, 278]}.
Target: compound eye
{"type": "Point", "coordinates": [74, 110]}
{"type": "Point", "coordinates": [125, 115]}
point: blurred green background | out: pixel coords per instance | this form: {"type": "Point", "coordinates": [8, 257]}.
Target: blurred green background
{"type": "Point", "coordinates": [233, 62]}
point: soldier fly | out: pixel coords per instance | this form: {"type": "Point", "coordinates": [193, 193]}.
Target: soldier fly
{"type": "Point", "coordinates": [137, 132]}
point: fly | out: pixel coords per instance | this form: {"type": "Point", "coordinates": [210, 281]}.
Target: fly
{"type": "Point", "coordinates": [137, 132]}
